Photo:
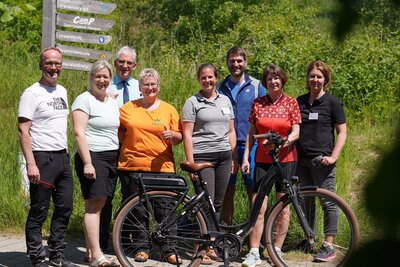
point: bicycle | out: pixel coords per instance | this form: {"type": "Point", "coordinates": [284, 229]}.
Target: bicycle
{"type": "Point", "coordinates": [184, 226]}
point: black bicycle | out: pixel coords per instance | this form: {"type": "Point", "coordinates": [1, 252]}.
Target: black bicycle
{"type": "Point", "coordinates": [173, 221]}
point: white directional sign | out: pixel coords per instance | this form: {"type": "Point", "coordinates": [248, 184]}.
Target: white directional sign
{"type": "Point", "coordinates": [86, 23]}
{"type": "Point", "coordinates": [76, 65]}
{"type": "Point", "coordinates": [87, 6]}
{"type": "Point", "coordinates": [74, 51]}
{"type": "Point", "coordinates": [80, 37]}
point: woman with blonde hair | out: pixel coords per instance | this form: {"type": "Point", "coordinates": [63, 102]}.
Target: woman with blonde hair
{"type": "Point", "coordinates": [95, 118]}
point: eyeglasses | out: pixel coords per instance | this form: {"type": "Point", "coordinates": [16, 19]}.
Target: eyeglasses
{"type": "Point", "coordinates": [122, 62]}
{"type": "Point", "coordinates": [50, 64]}
{"type": "Point", "coordinates": [148, 85]}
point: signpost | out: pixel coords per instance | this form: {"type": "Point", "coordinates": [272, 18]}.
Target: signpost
{"type": "Point", "coordinates": [81, 37]}
{"type": "Point", "coordinates": [50, 33]}
{"type": "Point", "coordinates": [95, 7]}
{"type": "Point", "coordinates": [76, 65]}
{"type": "Point", "coordinates": [84, 52]}
{"type": "Point", "coordinates": [85, 23]}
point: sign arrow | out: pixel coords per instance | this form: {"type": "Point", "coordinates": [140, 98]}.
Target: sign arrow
{"type": "Point", "coordinates": [95, 7]}
{"type": "Point", "coordinates": [80, 37]}
{"type": "Point", "coordinates": [76, 65]}
{"type": "Point", "coordinates": [86, 23]}
{"type": "Point", "coordinates": [83, 52]}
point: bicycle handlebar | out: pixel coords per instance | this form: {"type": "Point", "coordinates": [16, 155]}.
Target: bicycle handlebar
{"type": "Point", "coordinates": [273, 138]}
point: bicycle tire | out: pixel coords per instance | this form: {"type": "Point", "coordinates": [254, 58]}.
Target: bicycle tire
{"type": "Point", "coordinates": [295, 254]}
{"type": "Point", "coordinates": [192, 224]}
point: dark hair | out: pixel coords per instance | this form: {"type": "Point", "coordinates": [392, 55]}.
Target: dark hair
{"type": "Point", "coordinates": [236, 50]}
{"type": "Point", "coordinates": [321, 66]}
{"type": "Point", "coordinates": [274, 69]}
{"type": "Point", "coordinates": [206, 66]}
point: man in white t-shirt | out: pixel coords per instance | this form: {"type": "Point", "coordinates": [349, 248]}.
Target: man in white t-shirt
{"type": "Point", "coordinates": [42, 130]}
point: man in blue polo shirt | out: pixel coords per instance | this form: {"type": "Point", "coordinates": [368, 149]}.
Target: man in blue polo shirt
{"type": "Point", "coordinates": [241, 89]}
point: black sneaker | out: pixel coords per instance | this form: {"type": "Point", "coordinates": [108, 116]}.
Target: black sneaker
{"type": "Point", "coordinates": [61, 262]}
{"type": "Point", "coordinates": [325, 254]}
{"type": "Point", "coordinates": [41, 263]}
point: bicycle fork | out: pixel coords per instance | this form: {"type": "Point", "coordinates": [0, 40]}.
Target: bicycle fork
{"type": "Point", "coordinates": [295, 195]}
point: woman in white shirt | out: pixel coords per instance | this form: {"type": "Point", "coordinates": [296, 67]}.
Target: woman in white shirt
{"type": "Point", "coordinates": [95, 117]}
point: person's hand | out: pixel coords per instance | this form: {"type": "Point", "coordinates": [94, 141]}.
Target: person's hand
{"type": "Point", "coordinates": [89, 171]}
{"type": "Point", "coordinates": [113, 95]}
{"type": "Point", "coordinates": [167, 134]}
{"type": "Point", "coordinates": [33, 173]}
{"type": "Point", "coordinates": [267, 145]}
{"type": "Point", "coordinates": [193, 177]}
{"type": "Point", "coordinates": [245, 166]}
{"type": "Point", "coordinates": [235, 166]}
{"type": "Point", "coordinates": [327, 160]}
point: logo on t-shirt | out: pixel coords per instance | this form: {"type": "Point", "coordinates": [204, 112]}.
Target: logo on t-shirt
{"type": "Point", "coordinates": [58, 103]}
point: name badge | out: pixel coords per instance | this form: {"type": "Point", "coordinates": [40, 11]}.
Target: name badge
{"type": "Point", "coordinates": [313, 116]}
{"type": "Point", "coordinates": [226, 111]}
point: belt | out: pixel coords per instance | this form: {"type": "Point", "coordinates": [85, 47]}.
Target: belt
{"type": "Point", "coordinates": [62, 151]}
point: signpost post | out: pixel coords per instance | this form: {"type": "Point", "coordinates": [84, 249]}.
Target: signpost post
{"type": "Point", "coordinates": [50, 33]}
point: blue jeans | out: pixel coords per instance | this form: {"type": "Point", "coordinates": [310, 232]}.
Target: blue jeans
{"type": "Point", "coordinates": [247, 179]}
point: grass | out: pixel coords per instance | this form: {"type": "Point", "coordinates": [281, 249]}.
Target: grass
{"type": "Point", "coordinates": [367, 141]}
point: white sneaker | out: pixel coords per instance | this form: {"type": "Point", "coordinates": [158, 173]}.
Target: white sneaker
{"type": "Point", "coordinates": [279, 252]}
{"type": "Point", "coordinates": [252, 260]}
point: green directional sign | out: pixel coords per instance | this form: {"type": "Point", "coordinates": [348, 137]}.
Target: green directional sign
{"type": "Point", "coordinates": [81, 37]}
{"type": "Point", "coordinates": [95, 7]}
{"type": "Point", "coordinates": [86, 23]}
{"type": "Point", "coordinates": [74, 51]}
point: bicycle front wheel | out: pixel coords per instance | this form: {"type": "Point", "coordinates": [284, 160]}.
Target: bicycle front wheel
{"type": "Point", "coordinates": [327, 214]}
{"type": "Point", "coordinates": [155, 223]}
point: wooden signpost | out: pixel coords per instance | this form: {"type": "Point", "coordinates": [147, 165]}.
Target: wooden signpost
{"type": "Point", "coordinates": [52, 19]}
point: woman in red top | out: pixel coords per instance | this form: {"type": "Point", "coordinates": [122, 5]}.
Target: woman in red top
{"type": "Point", "coordinates": [274, 112]}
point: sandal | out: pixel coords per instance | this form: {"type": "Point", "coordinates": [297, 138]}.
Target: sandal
{"type": "Point", "coordinates": [213, 256]}
{"type": "Point", "coordinates": [103, 261]}
{"type": "Point", "coordinates": [172, 259]}
{"type": "Point", "coordinates": [141, 256]}
{"type": "Point", "coordinates": [206, 261]}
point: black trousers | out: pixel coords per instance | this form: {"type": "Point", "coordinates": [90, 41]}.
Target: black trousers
{"type": "Point", "coordinates": [55, 171]}
{"type": "Point", "coordinates": [140, 235]}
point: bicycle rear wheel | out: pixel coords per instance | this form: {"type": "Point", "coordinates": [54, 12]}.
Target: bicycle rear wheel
{"type": "Point", "coordinates": [297, 251]}
{"type": "Point", "coordinates": [143, 226]}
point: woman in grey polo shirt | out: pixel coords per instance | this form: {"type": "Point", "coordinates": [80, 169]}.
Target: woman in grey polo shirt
{"type": "Point", "coordinates": [209, 136]}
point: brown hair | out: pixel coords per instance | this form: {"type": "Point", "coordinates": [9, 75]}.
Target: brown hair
{"type": "Point", "coordinates": [206, 66]}
{"type": "Point", "coordinates": [236, 50]}
{"type": "Point", "coordinates": [274, 69]}
{"type": "Point", "coordinates": [321, 66]}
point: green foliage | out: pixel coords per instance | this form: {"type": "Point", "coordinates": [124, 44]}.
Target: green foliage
{"type": "Point", "coordinates": [175, 36]}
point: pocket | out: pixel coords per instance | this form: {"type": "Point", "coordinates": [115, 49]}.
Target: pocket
{"type": "Point", "coordinates": [316, 162]}
{"type": "Point", "coordinates": [42, 159]}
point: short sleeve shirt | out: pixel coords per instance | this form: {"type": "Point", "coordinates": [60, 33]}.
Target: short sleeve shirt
{"type": "Point", "coordinates": [211, 122]}
{"type": "Point", "coordinates": [47, 108]}
{"type": "Point", "coordinates": [319, 120]}
{"type": "Point", "coordinates": [143, 148]}
{"type": "Point", "coordinates": [102, 127]}
{"type": "Point", "coordinates": [278, 117]}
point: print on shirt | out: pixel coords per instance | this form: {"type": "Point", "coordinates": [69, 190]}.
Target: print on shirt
{"type": "Point", "coordinates": [57, 104]}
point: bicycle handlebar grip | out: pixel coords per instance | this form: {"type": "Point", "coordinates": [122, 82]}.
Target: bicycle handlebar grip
{"type": "Point", "coordinates": [258, 136]}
